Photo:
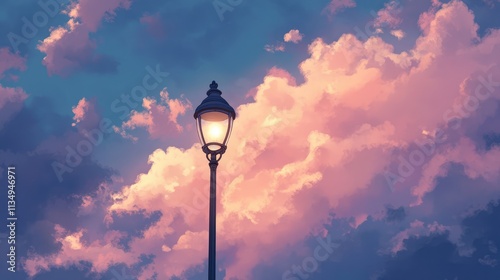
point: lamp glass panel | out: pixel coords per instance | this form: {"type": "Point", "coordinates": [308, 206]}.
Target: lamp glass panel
{"type": "Point", "coordinates": [230, 129]}
{"type": "Point", "coordinates": [198, 127]}
{"type": "Point", "coordinates": [214, 128]}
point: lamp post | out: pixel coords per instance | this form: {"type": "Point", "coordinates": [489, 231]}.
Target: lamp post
{"type": "Point", "coordinates": [214, 121]}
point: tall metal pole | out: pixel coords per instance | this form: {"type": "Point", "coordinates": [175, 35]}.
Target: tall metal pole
{"type": "Point", "coordinates": [211, 232]}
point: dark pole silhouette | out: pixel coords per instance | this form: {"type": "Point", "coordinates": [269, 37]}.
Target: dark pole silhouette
{"type": "Point", "coordinates": [214, 120]}
{"type": "Point", "coordinates": [212, 232]}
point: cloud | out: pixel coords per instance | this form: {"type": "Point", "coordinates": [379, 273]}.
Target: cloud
{"type": "Point", "coordinates": [327, 140]}
{"type": "Point", "coordinates": [159, 118]}
{"type": "Point", "coordinates": [416, 229]}
{"type": "Point", "coordinates": [293, 36]}
{"type": "Point", "coordinates": [33, 139]}
{"type": "Point", "coordinates": [69, 48]}
{"type": "Point", "coordinates": [398, 34]}
{"type": "Point", "coordinates": [9, 60]}
{"type": "Point", "coordinates": [464, 153]}
{"type": "Point", "coordinates": [427, 17]}
{"type": "Point", "coordinates": [73, 251]}
{"type": "Point", "coordinates": [85, 114]}
{"type": "Point", "coordinates": [389, 15]}
{"type": "Point", "coordinates": [433, 256]}
{"type": "Point", "coordinates": [274, 48]}
{"type": "Point", "coordinates": [336, 6]}
{"type": "Point", "coordinates": [11, 102]}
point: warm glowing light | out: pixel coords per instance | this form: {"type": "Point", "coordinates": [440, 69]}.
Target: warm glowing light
{"type": "Point", "coordinates": [213, 128]}
{"type": "Point", "coordinates": [215, 131]}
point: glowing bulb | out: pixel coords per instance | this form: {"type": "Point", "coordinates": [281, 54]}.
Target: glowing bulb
{"type": "Point", "coordinates": [215, 131]}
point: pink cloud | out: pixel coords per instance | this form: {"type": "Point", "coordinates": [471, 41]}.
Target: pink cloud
{"type": "Point", "coordinates": [9, 60]}
{"type": "Point", "coordinates": [417, 228]}
{"type": "Point", "coordinates": [398, 34]}
{"type": "Point", "coordinates": [69, 48]}
{"type": "Point", "coordinates": [426, 18]}
{"type": "Point", "coordinates": [389, 15]}
{"type": "Point", "coordinates": [160, 119]}
{"type": "Point", "coordinates": [293, 36]}
{"type": "Point", "coordinates": [85, 114]}
{"type": "Point", "coordinates": [73, 251]}
{"type": "Point", "coordinates": [327, 140]}
{"type": "Point", "coordinates": [336, 6]}
{"type": "Point", "coordinates": [476, 164]}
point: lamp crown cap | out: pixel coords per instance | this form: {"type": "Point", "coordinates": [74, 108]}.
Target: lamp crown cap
{"type": "Point", "coordinates": [214, 102]}
{"type": "Point", "coordinates": [214, 89]}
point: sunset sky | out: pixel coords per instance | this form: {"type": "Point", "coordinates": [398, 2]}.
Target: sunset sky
{"type": "Point", "coordinates": [366, 144]}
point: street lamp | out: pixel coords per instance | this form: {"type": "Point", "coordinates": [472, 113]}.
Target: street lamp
{"type": "Point", "coordinates": [214, 121]}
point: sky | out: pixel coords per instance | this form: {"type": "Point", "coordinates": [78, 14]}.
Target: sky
{"type": "Point", "coordinates": [366, 143]}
